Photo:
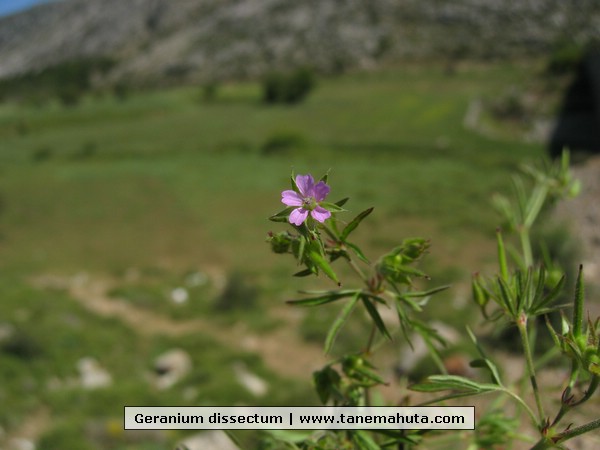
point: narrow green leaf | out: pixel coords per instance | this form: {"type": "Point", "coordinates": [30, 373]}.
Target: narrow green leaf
{"type": "Point", "coordinates": [480, 294]}
{"type": "Point", "coordinates": [487, 362]}
{"type": "Point", "coordinates": [304, 273]}
{"type": "Point", "coordinates": [523, 294]}
{"type": "Point", "coordinates": [402, 298]}
{"type": "Point", "coordinates": [534, 206]}
{"type": "Point", "coordinates": [332, 207]}
{"type": "Point", "coordinates": [342, 202]}
{"type": "Point", "coordinates": [354, 223]}
{"type": "Point", "coordinates": [538, 294]}
{"type": "Point", "coordinates": [282, 216]}
{"type": "Point", "coordinates": [324, 297]}
{"type": "Point", "coordinates": [339, 321]}
{"type": "Point", "coordinates": [377, 320]}
{"type": "Point", "coordinates": [501, 256]}
{"type": "Point", "coordinates": [364, 441]}
{"type": "Point", "coordinates": [436, 383]}
{"type": "Point", "coordinates": [325, 177]}
{"type": "Point", "coordinates": [506, 297]}
{"type": "Point", "coordinates": [301, 247]}
{"type": "Point", "coordinates": [426, 293]}
{"type": "Point", "coordinates": [398, 437]}
{"type": "Point", "coordinates": [375, 297]}
{"type": "Point", "coordinates": [427, 332]}
{"type": "Point", "coordinates": [323, 265]}
{"type": "Point", "coordinates": [369, 374]}
{"type": "Point", "coordinates": [342, 292]}
{"type": "Point", "coordinates": [404, 324]}
{"type": "Point", "coordinates": [358, 252]}
{"type": "Point", "coordinates": [331, 233]}
{"type": "Point", "coordinates": [544, 300]}
{"type": "Point", "coordinates": [555, 336]}
{"type": "Point", "coordinates": [521, 197]}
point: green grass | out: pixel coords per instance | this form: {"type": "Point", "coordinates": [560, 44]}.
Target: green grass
{"type": "Point", "coordinates": [167, 183]}
{"type": "Point", "coordinates": [162, 176]}
{"type": "Point", "coordinates": [38, 366]}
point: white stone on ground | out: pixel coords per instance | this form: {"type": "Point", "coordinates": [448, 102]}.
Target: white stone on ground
{"type": "Point", "coordinates": [92, 375]}
{"type": "Point", "coordinates": [252, 382]}
{"type": "Point", "coordinates": [171, 367]}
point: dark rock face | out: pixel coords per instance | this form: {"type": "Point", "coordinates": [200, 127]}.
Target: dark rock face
{"type": "Point", "coordinates": [207, 39]}
{"type": "Point", "coordinates": [578, 126]}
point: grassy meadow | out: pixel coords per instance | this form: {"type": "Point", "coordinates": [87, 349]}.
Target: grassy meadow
{"type": "Point", "coordinates": [146, 191]}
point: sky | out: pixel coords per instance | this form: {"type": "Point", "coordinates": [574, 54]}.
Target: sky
{"type": "Point", "coordinates": [8, 7]}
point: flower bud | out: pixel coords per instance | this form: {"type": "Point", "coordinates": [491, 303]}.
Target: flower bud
{"type": "Point", "coordinates": [280, 242]}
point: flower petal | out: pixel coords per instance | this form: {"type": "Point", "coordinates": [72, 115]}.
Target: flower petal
{"type": "Point", "coordinates": [298, 216]}
{"type": "Point", "coordinates": [291, 198]}
{"type": "Point", "coordinates": [305, 184]}
{"type": "Point", "coordinates": [320, 191]}
{"type": "Point", "coordinates": [320, 214]}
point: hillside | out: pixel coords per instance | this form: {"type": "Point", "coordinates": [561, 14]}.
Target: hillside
{"type": "Point", "coordinates": [207, 39]}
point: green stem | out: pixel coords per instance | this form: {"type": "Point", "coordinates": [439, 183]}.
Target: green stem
{"type": "Point", "coordinates": [357, 269]}
{"type": "Point", "coordinates": [590, 390]}
{"type": "Point", "coordinates": [574, 432]}
{"type": "Point", "coordinates": [578, 308]}
{"type": "Point", "coordinates": [522, 403]}
{"type": "Point", "coordinates": [371, 338]}
{"type": "Point", "coordinates": [566, 405]}
{"type": "Point", "coordinates": [522, 326]}
{"type": "Point", "coordinates": [526, 246]}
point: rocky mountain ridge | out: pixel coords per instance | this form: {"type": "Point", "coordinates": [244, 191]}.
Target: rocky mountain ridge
{"type": "Point", "coordinates": [208, 39]}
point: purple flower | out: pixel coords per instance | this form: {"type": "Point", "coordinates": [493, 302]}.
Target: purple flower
{"type": "Point", "coordinates": [307, 200]}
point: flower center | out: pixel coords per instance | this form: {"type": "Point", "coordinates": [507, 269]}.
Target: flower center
{"type": "Point", "coordinates": [309, 203]}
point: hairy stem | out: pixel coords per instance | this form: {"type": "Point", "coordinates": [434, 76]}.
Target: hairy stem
{"type": "Point", "coordinates": [522, 326]}
{"type": "Point", "coordinates": [574, 432]}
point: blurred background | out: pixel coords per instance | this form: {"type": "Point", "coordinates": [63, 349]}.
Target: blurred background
{"type": "Point", "coordinates": [144, 144]}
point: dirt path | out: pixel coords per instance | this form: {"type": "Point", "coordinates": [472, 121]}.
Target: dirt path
{"type": "Point", "coordinates": [282, 350]}
{"type": "Point", "coordinates": [30, 431]}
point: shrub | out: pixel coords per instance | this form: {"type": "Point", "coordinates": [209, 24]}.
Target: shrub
{"type": "Point", "coordinates": [66, 80]}
{"type": "Point", "coordinates": [565, 58]}
{"type": "Point", "coordinates": [288, 88]}
{"type": "Point", "coordinates": [42, 154]}
{"type": "Point", "coordinates": [209, 91]}
{"type": "Point", "coordinates": [282, 142]}
{"type": "Point", "coordinates": [121, 90]}
{"type": "Point", "coordinates": [239, 293]}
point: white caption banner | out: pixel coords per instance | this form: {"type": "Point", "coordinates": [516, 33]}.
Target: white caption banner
{"type": "Point", "coordinates": [298, 418]}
